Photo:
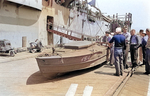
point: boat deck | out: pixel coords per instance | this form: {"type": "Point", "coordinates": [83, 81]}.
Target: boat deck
{"type": "Point", "coordinates": [64, 52]}
{"type": "Point", "coordinates": [21, 77]}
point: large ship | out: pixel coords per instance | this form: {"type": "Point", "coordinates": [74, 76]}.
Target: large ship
{"type": "Point", "coordinates": [57, 22]}
{"type": "Point", "coordinates": [54, 21]}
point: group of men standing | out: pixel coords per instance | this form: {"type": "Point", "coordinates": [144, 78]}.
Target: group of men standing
{"type": "Point", "coordinates": [123, 42]}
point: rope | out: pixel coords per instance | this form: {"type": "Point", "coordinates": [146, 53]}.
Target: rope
{"type": "Point", "coordinates": [99, 29]}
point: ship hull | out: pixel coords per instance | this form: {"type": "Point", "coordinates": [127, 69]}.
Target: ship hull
{"type": "Point", "coordinates": [31, 24]}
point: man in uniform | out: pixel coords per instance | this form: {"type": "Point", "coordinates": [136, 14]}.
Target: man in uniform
{"type": "Point", "coordinates": [147, 64]}
{"type": "Point", "coordinates": [134, 45]}
{"type": "Point", "coordinates": [119, 40]}
{"type": "Point", "coordinates": [127, 36]}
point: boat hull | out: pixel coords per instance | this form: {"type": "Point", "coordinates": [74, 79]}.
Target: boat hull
{"type": "Point", "coordinates": [56, 65]}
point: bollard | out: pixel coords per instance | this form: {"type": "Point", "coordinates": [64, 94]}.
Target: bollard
{"type": "Point", "coordinates": [24, 41]}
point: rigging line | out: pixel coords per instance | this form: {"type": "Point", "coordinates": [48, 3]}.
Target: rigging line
{"type": "Point", "coordinates": [97, 32]}
{"type": "Point", "coordinates": [98, 24]}
{"type": "Point", "coordinates": [99, 29]}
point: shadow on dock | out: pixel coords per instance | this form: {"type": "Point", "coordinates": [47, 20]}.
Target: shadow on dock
{"type": "Point", "coordinates": [139, 73]}
{"type": "Point", "coordinates": [106, 73]}
{"type": "Point", "coordinates": [101, 72]}
{"type": "Point", "coordinates": [37, 78]}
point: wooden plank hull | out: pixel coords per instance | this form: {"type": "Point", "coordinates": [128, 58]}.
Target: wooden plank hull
{"type": "Point", "coordinates": [55, 65]}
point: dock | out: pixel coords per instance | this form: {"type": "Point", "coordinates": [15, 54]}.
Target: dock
{"type": "Point", "coordinates": [20, 76]}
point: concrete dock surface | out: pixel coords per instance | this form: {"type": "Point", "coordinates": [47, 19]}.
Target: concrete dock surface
{"type": "Point", "coordinates": [20, 76]}
{"type": "Point", "coordinates": [137, 85]}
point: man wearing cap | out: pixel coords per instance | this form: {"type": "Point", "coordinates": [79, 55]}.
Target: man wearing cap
{"type": "Point", "coordinates": [147, 64]}
{"type": "Point", "coordinates": [119, 40]}
{"type": "Point", "coordinates": [127, 36]}
{"type": "Point", "coordinates": [134, 45]}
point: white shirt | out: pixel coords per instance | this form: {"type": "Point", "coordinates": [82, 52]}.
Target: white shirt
{"type": "Point", "coordinates": [127, 36]}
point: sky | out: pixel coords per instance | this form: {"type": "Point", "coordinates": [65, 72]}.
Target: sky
{"type": "Point", "coordinates": [140, 10]}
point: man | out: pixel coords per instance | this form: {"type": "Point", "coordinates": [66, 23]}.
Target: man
{"type": "Point", "coordinates": [127, 36]}
{"type": "Point", "coordinates": [134, 45]}
{"type": "Point", "coordinates": [140, 59]}
{"type": "Point", "coordinates": [119, 40]}
{"type": "Point", "coordinates": [112, 59]}
{"type": "Point", "coordinates": [147, 64]}
{"type": "Point", "coordinates": [106, 40]}
{"type": "Point", "coordinates": [49, 24]}
{"type": "Point", "coordinates": [107, 37]}
{"type": "Point", "coordinates": [144, 42]}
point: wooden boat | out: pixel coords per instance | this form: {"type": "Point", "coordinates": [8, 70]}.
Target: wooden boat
{"type": "Point", "coordinates": [73, 56]}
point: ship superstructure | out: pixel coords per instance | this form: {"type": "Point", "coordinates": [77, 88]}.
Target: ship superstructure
{"type": "Point", "coordinates": [51, 21]}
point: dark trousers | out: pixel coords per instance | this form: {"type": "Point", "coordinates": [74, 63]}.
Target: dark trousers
{"type": "Point", "coordinates": [134, 55]}
{"type": "Point", "coordinates": [108, 54]}
{"type": "Point", "coordinates": [147, 64]}
{"type": "Point", "coordinates": [126, 56]}
{"type": "Point", "coordinates": [144, 53]}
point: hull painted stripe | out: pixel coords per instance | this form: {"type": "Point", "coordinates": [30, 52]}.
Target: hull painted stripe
{"type": "Point", "coordinates": [72, 90]}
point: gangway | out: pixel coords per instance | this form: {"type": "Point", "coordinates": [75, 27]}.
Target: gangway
{"type": "Point", "coordinates": [65, 35]}
{"type": "Point", "coordinates": [70, 34]}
